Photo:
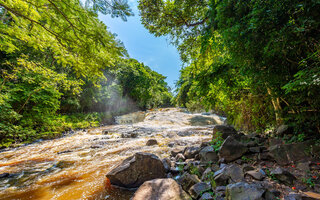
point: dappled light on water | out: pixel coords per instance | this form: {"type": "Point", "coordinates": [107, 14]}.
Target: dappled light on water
{"type": "Point", "coordinates": [74, 167]}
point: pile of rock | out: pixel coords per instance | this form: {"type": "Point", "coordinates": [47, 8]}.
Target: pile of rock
{"type": "Point", "coordinates": [246, 167]}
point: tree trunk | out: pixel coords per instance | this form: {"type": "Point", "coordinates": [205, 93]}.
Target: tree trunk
{"type": "Point", "coordinates": [276, 106]}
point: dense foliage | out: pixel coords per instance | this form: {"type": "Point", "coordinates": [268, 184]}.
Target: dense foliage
{"type": "Point", "coordinates": [57, 58]}
{"type": "Point", "coordinates": [255, 61]}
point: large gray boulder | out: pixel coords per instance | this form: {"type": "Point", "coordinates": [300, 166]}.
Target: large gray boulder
{"type": "Point", "coordinates": [160, 189]}
{"type": "Point", "coordinates": [228, 174]}
{"type": "Point", "coordinates": [137, 169]}
{"type": "Point", "coordinates": [224, 130]}
{"type": "Point", "coordinates": [244, 191]}
{"type": "Point", "coordinates": [207, 154]}
{"type": "Point", "coordinates": [288, 153]}
{"type": "Point", "coordinates": [198, 189]}
{"type": "Point", "coordinates": [283, 176]}
{"type": "Point", "coordinates": [191, 152]}
{"type": "Point", "coordinates": [231, 149]}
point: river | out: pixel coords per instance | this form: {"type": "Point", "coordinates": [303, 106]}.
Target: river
{"type": "Point", "coordinates": [74, 166]}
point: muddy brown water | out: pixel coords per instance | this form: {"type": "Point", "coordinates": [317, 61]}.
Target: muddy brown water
{"type": "Point", "coordinates": [74, 167]}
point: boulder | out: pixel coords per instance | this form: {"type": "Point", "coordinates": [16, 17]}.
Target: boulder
{"type": "Point", "coordinates": [199, 188]}
{"type": "Point", "coordinates": [180, 157]}
{"type": "Point", "coordinates": [152, 142]}
{"type": "Point", "coordinates": [191, 152]}
{"type": "Point", "coordinates": [231, 149]}
{"type": "Point", "coordinates": [160, 189]}
{"type": "Point", "coordinates": [244, 191]}
{"type": "Point", "coordinates": [288, 153]}
{"type": "Point", "coordinates": [257, 174]}
{"type": "Point", "coordinates": [166, 164]}
{"type": "Point", "coordinates": [229, 173]}
{"type": "Point", "coordinates": [224, 130]}
{"type": "Point", "coordinates": [206, 196]}
{"type": "Point", "coordinates": [207, 154]}
{"type": "Point", "coordinates": [137, 169]}
{"type": "Point", "coordinates": [174, 152]}
{"type": "Point", "coordinates": [4, 175]}
{"type": "Point", "coordinates": [293, 196]}
{"type": "Point", "coordinates": [283, 176]}
{"type": "Point", "coordinates": [187, 180]}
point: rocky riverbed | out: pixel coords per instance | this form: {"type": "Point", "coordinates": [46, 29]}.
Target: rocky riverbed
{"type": "Point", "coordinates": [243, 167]}
{"type": "Point", "coordinates": [74, 166]}
{"type": "Point", "coordinates": [161, 154]}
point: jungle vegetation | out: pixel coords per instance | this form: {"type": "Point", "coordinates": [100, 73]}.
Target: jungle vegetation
{"type": "Point", "coordinates": [257, 62]}
{"type": "Point", "coordinates": [61, 69]}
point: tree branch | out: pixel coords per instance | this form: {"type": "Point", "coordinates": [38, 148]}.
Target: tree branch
{"type": "Point", "coordinates": [196, 23]}
{"type": "Point", "coordinates": [66, 18]}
{"type": "Point", "coordinates": [34, 21]}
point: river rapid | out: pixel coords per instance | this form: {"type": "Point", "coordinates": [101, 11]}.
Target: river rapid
{"type": "Point", "coordinates": [74, 167]}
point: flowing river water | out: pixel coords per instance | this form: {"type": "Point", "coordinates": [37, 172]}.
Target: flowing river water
{"type": "Point", "coordinates": [74, 167]}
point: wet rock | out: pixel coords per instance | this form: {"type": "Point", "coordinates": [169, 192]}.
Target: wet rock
{"type": "Point", "coordinates": [66, 151]}
{"type": "Point", "coordinates": [4, 175]}
{"type": "Point", "coordinates": [166, 164]}
{"type": "Point", "coordinates": [244, 191]}
{"type": "Point", "coordinates": [152, 142]}
{"type": "Point", "coordinates": [160, 189]}
{"type": "Point", "coordinates": [206, 196]}
{"type": "Point", "coordinates": [288, 153]}
{"type": "Point", "coordinates": [231, 149]}
{"type": "Point", "coordinates": [224, 130]}
{"type": "Point", "coordinates": [257, 174]}
{"type": "Point", "coordinates": [283, 176]}
{"type": "Point", "coordinates": [129, 135]}
{"type": "Point", "coordinates": [174, 152]}
{"type": "Point", "coordinates": [137, 169]}
{"type": "Point", "coordinates": [180, 157]}
{"type": "Point", "coordinates": [171, 144]}
{"type": "Point", "coordinates": [196, 190]}
{"type": "Point", "coordinates": [187, 180]}
{"type": "Point", "coordinates": [207, 154]}
{"type": "Point", "coordinates": [96, 146]}
{"type": "Point", "coordinates": [191, 152]}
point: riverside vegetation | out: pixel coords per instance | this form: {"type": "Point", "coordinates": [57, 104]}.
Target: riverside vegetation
{"type": "Point", "coordinates": [60, 69]}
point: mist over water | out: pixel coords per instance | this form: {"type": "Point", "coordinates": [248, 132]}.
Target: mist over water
{"type": "Point", "coordinates": [74, 167]}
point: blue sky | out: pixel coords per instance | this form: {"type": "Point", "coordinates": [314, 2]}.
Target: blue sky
{"type": "Point", "coordinates": [156, 52]}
